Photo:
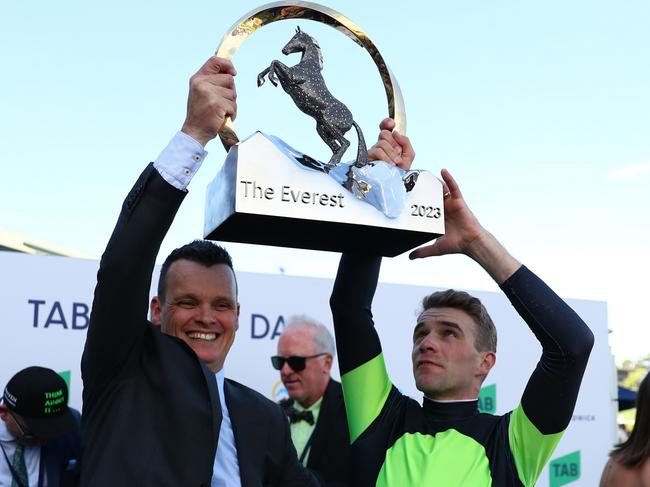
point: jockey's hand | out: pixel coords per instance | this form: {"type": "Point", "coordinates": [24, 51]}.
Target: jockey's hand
{"type": "Point", "coordinates": [465, 235]}
{"type": "Point", "coordinates": [392, 147]}
{"type": "Point", "coordinates": [212, 99]}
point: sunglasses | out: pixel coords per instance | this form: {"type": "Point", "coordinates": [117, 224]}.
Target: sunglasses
{"type": "Point", "coordinates": [296, 363]}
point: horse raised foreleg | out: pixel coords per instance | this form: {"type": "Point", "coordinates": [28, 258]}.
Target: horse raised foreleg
{"type": "Point", "coordinates": [275, 68]}
{"type": "Point", "coordinates": [260, 77]}
{"type": "Point", "coordinates": [273, 76]}
{"type": "Point", "coordinates": [279, 72]}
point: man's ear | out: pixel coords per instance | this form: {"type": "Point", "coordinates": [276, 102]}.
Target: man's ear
{"type": "Point", "coordinates": [488, 361]}
{"type": "Point", "coordinates": [4, 412]}
{"type": "Point", "coordinates": [155, 307]}
{"type": "Point", "coordinates": [328, 363]}
{"type": "Point", "coordinates": [237, 323]}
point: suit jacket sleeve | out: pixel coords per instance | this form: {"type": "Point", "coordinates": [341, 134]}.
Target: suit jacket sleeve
{"type": "Point", "coordinates": [120, 304]}
{"type": "Point", "coordinates": [264, 448]}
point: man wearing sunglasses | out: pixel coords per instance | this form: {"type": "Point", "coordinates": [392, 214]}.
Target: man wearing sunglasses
{"type": "Point", "coordinates": [39, 433]}
{"type": "Point", "coordinates": [315, 407]}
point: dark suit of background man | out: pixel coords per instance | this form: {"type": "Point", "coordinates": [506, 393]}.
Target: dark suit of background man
{"type": "Point", "coordinates": [155, 398]}
{"type": "Point", "coordinates": [39, 434]}
{"type": "Point", "coordinates": [315, 407]}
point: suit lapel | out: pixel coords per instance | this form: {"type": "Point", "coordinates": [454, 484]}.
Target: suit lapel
{"type": "Point", "coordinates": [45, 466]}
{"type": "Point", "coordinates": [242, 421]}
{"type": "Point", "coordinates": [211, 381]}
{"type": "Point", "coordinates": [323, 424]}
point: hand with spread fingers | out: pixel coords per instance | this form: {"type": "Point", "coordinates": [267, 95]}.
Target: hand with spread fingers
{"type": "Point", "coordinates": [461, 226]}
{"type": "Point", "coordinates": [211, 100]}
{"type": "Point", "coordinates": [465, 235]}
{"type": "Point", "coordinates": [392, 147]}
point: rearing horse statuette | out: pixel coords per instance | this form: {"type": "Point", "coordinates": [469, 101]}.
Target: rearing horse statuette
{"type": "Point", "coordinates": [306, 86]}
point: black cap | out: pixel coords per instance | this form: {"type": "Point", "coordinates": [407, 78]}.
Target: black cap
{"type": "Point", "coordinates": [40, 397]}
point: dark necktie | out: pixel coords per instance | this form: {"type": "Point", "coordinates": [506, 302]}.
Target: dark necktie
{"type": "Point", "coordinates": [20, 468]}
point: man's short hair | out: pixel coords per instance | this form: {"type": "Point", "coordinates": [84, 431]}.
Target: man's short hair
{"type": "Point", "coordinates": [202, 252]}
{"type": "Point", "coordinates": [486, 336]}
{"type": "Point", "coordinates": [323, 340]}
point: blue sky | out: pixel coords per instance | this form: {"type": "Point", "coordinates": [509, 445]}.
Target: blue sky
{"type": "Point", "coordinates": [540, 110]}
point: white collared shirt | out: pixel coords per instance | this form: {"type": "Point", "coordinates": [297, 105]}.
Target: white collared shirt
{"type": "Point", "coordinates": [226, 465]}
{"type": "Point", "coordinates": [179, 161]}
{"type": "Point", "coordinates": [32, 459]}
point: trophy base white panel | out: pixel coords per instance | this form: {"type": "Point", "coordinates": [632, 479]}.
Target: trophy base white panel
{"type": "Point", "coordinates": [262, 196]}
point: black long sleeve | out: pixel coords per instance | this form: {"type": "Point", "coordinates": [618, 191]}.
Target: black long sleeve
{"type": "Point", "coordinates": [566, 344]}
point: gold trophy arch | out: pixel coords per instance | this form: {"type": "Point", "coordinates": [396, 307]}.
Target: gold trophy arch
{"type": "Point", "coordinates": [273, 12]}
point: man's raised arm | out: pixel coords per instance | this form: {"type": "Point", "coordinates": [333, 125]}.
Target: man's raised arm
{"type": "Point", "coordinates": [121, 296]}
{"type": "Point", "coordinates": [535, 429]}
{"type": "Point", "coordinates": [363, 373]}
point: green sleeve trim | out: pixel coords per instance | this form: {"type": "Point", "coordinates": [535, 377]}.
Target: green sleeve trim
{"type": "Point", "coordinates": [365, 390]}
{"type": "Point", "coordinates": [531, 449]}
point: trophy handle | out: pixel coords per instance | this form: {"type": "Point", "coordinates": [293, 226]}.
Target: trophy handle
{"type": "Point", "coordinates": [228, 135]}
{"type": "Point", "coordinates": [286, 10]}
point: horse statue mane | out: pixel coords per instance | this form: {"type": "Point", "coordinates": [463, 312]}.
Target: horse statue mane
{"type": "Point", "coordinates": [316, 45]}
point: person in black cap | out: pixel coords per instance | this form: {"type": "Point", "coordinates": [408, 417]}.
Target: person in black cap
{"type": "Point", "coordinates": [39, 433]}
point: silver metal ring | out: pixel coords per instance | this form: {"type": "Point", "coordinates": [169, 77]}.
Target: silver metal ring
{"type": "Point", "coordinates": [273, 12]}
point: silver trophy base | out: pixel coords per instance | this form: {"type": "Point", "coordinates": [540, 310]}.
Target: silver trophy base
{"type": "Point", "coordinates": [262, 195]}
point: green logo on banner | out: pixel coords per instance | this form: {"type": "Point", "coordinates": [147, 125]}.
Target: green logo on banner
{"type": "Point", "coordinates": [487, 399]}
{"type": "Point", "coordinates": [66, 377]}
{"type": "Point", "coordinates": [565, 470]}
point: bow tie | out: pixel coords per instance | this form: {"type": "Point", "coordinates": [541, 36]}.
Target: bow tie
{"type": "Point", "coordinates": [296, 416]}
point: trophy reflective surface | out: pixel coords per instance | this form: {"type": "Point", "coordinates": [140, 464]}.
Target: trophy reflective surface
{"type": "Point", "coordinates": [269, 193]}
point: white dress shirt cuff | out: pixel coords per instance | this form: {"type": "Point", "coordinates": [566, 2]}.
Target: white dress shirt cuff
{"type": "Point", "coordinates": [179, 161]}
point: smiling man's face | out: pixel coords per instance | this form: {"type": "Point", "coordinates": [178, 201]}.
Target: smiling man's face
{"type": "Point", "coordinates": [446, 363]}
{"type": "Point", "coordinates": [200, 307]}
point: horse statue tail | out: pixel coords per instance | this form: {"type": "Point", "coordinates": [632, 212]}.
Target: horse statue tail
{"type": "Point", "coordinates": [362, 150]}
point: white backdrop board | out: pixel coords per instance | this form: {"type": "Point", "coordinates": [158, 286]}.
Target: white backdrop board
{"type": "Point", "coordinates": [45, 303]}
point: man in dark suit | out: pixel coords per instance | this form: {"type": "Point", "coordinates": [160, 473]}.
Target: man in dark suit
{"type": "Point", "coordinates": [315, 407]}
{"type": "Point", "coordinates": [157, 410]}
{"type": "Point", "coordinates": [39, 433]}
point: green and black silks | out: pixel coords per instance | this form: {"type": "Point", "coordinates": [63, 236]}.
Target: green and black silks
{"type": "Point", "coordinates": [396, 441]}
